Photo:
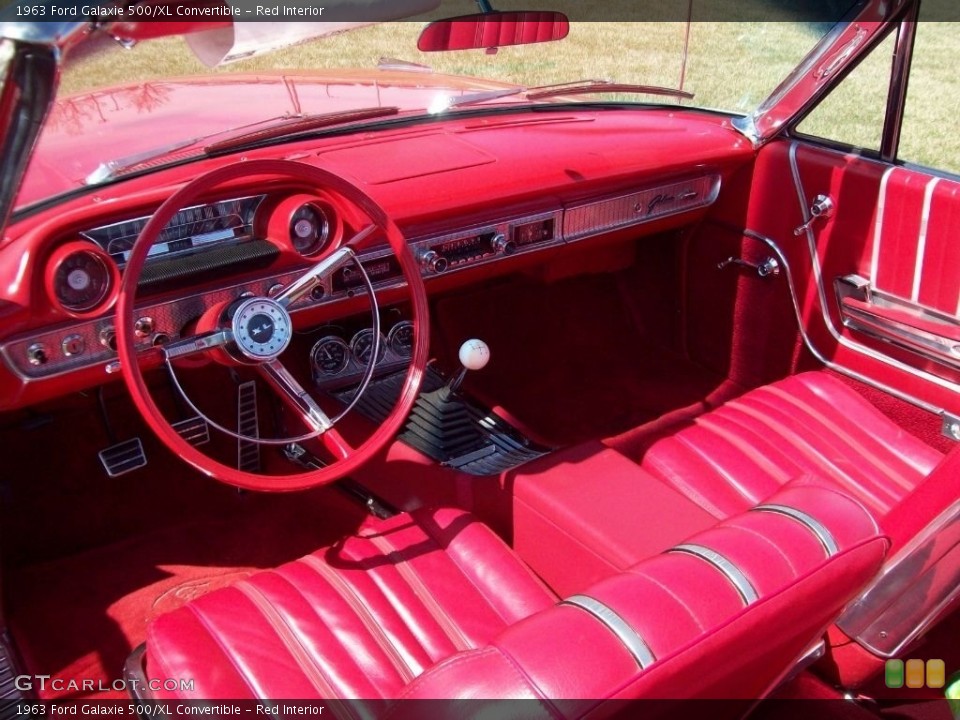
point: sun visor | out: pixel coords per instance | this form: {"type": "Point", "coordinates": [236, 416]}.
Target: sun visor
{"type": "Point", "coordinates": [247, 38]}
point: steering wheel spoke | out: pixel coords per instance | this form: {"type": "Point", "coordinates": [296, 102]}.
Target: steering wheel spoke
{"type": "Point", "coordinates": [336, 444]}
{"type": "Point", "coordinates": [196, 344]}
{"type": "Point", "coordinates": [295, 396]}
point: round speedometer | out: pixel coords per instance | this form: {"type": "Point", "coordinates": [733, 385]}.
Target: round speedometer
{"type": "Point", "coordinates": [80, 277]}
{"type": "Point", "coordinates": [309, 229]}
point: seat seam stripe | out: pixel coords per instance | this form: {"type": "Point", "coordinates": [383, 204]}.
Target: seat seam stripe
{"type": "Point", "coordinates": [671, 593]}
{"type": "Point", "coordinates": [460, 569]}
{"type": "Point", "coordinates": [886, 469]}
{"type": "Point", "coordinates": [621, 629]}
{"type": "Point", "coordinates": [810, 453]}
{"type": "Point", "coordinates": [413, 579]}
{"type": "Point", "coordinates": [728, 479]}
{"type": "Point", "coordinates": [350, 596]}
{"type": "Point", "coordinates": [313, 672]}
{"type": "Point", "coordinates": [765, 539]}
{"type": "Point", "coordinates": [214, 634]}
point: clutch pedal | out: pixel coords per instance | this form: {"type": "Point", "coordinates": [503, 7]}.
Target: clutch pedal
{"type": "Point", "coordinates": [123, 457]}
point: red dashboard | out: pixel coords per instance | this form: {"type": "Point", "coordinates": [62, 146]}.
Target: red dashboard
{"type": "Point", "coordinates": [475, 196]}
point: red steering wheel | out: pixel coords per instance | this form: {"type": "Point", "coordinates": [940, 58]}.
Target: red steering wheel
{"type": "Point", "coordinates": [269, 317]}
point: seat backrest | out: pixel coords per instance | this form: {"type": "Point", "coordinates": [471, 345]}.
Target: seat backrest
{"type": "Point", "coordinates": [725, 614]}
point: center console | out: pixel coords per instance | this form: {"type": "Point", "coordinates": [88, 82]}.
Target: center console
{"type": "Point", "coordinates": [586, 513]}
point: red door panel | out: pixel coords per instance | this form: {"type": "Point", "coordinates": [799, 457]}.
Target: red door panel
{"type": "Point", "coordinates": [894, 230]}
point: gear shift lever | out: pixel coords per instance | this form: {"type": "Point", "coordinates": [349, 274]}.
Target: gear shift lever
{"type": "Point", "coordinates": [474, 355]}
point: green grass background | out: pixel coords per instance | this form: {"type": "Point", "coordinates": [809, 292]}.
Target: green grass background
{"type": "Point", "coordinates": [731, 66]}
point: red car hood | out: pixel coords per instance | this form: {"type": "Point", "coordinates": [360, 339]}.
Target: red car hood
{"type": "Point", "coordinates": [85, 130]}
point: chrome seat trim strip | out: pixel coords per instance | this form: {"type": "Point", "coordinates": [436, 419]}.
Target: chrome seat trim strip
{"type": "Point", "coordinates": [736, 577]}
{"type": "Point", "coordinates": [618, 626]}
{"type": "Point", "coordinates": [823, 535]}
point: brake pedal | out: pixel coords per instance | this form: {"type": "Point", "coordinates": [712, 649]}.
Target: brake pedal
{"type": "Point", "coordinates": [123, 457]}
{"type": "Point", "coordinates": [194, 430]}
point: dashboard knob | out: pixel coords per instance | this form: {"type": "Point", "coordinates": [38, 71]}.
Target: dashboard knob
{"type": "Point", "coordinates": [501, 246]}
{"type": "Point", "coordinates": [434, 262]}
{"type": "Point", "coordinates": [72, 345]}
{"type": "Point", "coordinates": [143, 327]}
{"type": "Point", "coordinates": [108, 338]}
{"type": "Point", "coordinates": [474, 354]}
{"type": "Point", "coordinates": [37, 354]}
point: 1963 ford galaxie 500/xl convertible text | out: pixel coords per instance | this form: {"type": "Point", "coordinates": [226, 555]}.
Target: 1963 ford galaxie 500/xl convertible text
{"type": "Point", "coordinates": [403, 364]}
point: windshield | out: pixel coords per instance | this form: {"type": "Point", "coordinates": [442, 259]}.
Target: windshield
{"type": "Point", "coordinates": [120, 108]}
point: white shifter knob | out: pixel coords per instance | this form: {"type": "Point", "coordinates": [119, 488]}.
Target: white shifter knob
{"type": "Point", "coordinates": [474, 354]}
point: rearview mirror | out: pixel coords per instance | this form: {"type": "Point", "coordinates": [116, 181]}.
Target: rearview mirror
{"type": "Point", "coordinates": [493, 30]}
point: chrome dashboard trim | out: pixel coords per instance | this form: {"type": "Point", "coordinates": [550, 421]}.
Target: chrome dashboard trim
{"type": "Point", "coordinates": [654, 203]}
{"type": "Point", "coordinates": [171, 316]}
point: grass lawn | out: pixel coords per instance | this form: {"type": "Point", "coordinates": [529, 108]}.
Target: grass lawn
{"type": "Point", "coordinates": [731, 66]}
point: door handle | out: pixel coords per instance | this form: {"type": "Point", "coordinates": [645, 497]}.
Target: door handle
{"type": "Point", "coordinates": [821, 207]}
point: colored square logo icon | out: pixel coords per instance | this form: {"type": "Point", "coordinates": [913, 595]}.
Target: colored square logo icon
{"type": "Point", "coordinates": [936, 674]}
{"type": "Point", "coordinates": [893, 673]}
{"type": "Point", "coordinates": [915, 673]}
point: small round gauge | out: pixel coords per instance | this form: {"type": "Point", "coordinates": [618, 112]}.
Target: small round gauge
{"type": "Point", "coordinates": [362, 346]}
{"type": "Point", "coordinates": [330, 356]}
{"type": "Point", "coordinates": [81, 279]}
{"type": "Point", "coordinates": [309, 229]}
{"type": "Point", "coordinates": [400, 339]}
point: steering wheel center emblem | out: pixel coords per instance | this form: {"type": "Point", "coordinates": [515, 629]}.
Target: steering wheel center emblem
{"type": "Point", "coordinates": [262, 329]}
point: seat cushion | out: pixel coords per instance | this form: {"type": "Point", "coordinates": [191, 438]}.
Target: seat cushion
{"type": "Point", "coordinates": [734, 456]}
{"type": "Point", "coordinates": [361, 619]}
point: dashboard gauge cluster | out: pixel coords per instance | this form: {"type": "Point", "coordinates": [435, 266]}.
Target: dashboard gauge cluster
{"type": "Point", "coordinates": [191, 229]}
{"type": "Point", "coordinates": [81, 279]}
{"type": "Point", "coordinates": [336, 361]}
{"type": "Point", "coordinates": [307, 224]}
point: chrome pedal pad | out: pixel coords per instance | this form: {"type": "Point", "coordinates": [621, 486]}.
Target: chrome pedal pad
{"type": "Point", "coordinates": [123, 457]}
{"type": "Point", "coordinates": [248, 424]}
{"type": "Point", "coordinates": [194, 430]}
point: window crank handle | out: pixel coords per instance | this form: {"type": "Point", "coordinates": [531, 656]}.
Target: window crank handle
{"type": "Point", "coordinates": [822, 207]}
